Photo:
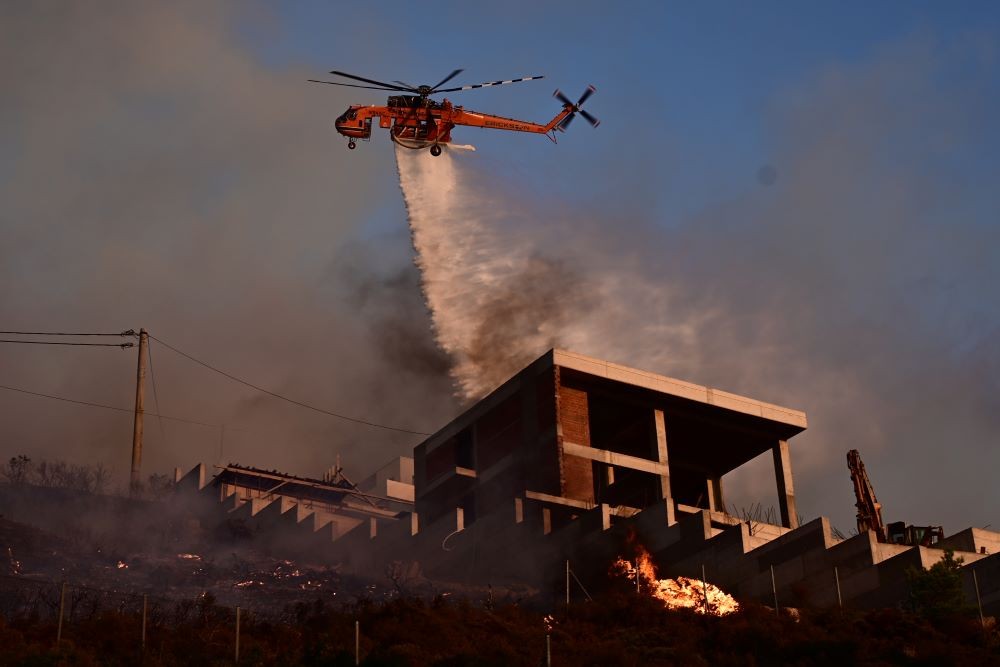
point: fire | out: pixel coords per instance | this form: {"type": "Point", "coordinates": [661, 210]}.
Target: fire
{"type": "Point", "coordinates": [15, 564]}
{"type": "Point", "coordinates": [679, 593]}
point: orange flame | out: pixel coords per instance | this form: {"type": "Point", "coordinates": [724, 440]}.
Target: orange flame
{"type": "Point", "coordinates": [679, 593]}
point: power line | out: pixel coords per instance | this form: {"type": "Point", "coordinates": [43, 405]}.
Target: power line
{"type": "Point", "coordinates": [285, 398]}
{"type": "Point", "coordinates": [106, 407]}
{"type": "Point", "coordinates": [47, 342]}
{"type": "Point", "coordinates": [129, 332]}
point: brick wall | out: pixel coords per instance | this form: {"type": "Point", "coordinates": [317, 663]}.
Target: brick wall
{"type": "Point", "coordinates": [577, 473]}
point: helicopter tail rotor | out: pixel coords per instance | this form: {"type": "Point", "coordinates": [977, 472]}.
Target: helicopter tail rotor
{"type": "Point", "coordinates": [575, 108]}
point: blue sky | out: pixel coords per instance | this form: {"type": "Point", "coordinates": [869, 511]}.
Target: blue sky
{"type": "Point", "coordinates": [689, 84]}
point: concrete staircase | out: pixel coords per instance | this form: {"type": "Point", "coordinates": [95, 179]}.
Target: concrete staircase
{"type": "Point", "coordinates": [518, 545]}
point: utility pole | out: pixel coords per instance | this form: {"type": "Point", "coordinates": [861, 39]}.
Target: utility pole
{"type": "Point", "coordinates": [140, 390]}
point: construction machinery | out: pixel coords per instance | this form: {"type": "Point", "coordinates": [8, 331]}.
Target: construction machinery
{"type": "Point", "coordinates": [870, 512]}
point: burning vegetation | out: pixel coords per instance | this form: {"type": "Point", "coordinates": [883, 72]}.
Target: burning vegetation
{"type": "Point", "coordinates": [679, 593]}
{"type": "Point", "coordinates": [288, 619]}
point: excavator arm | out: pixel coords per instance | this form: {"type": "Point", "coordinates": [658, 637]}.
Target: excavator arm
{"type": "Point", "coordinates": [869, 509]}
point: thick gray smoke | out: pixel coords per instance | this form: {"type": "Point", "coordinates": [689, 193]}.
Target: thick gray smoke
{"type": "Point", "coordinates": [154, 173]}
{"type": "Point", "coordinates": [856, 282]}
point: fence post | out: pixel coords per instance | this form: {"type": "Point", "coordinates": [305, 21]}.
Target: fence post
{"type": "Point", "coordinates": [357, 642]}
{"type": "Point", "coordinates": [567, 582]}
{"type": "Point", "coordinates": [979, 601]}
{"type": "Point", "coordinates": [144, 622]}
{"type": "Point", "coordinates": [774, 589]}
{"type": "Point", "coordinates": [548, 650]}
{"type": "Point", "coordinates": [237, 635]}
{"type": "Point", "coordinates": [836, 579]}
{"type": "Point", "coordinates": [62, 605]}
{"type": "Point", "coordinates": [704, 587]}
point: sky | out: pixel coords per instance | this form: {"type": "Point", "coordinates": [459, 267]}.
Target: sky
{"type": "Point", "coordinates": [169, 167]}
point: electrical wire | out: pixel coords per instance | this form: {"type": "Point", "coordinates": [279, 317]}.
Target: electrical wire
{"type": "Point", "coordinates": [106, 407]}
{"type": "Point", "coordinates": [46, 342]}
{"type": "Point", "coordinates": [130, 332]}
{"type": "Point", "coordinates": [285, 398]}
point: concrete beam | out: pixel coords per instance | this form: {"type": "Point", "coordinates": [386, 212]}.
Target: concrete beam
{"type": "Point", "coordinates": [673, 387]}
{"type": "Point", "coordinates": [617, 511]}
{"type": "Point", "coordinates": [786, 488]}
{"type": "Point", "coordinates": [716, 502]}
{"type": "Point", "coordinates": [558, 500]}
{"type": "Point", "coordinates": [661, 453]}
{"type": "Point", "coordinates": [615, 459]}
{"type": "Point", "coordinates": [459, 475]}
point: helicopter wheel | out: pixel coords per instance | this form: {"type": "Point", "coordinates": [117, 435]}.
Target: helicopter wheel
{"type": "Point", "coordinates": [351, 145]}
{"type": "Point", "coordinates": [436, 150]}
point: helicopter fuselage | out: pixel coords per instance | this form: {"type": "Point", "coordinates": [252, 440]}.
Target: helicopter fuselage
{"type": "Point", "coordinates": [418, 122]}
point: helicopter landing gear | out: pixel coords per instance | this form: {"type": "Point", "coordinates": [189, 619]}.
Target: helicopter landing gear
{"type": "Point", "coordinates": [436, 150]}
{"type": "Point", "coordinates": [351, 145]}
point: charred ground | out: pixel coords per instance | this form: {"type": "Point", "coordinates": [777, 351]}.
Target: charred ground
{"type": "Point", "coordinates": [297, 613]}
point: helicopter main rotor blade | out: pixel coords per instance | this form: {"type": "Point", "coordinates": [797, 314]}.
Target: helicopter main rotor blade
{"type": "Point", "coordinates": [447, 79]}
{"type": "Point", "coordinates": [587, 93]}
{"type": "Point", "coordinates": [377, 83]}
{"type": "Point", "coordinates": [590, 119]}
{"type": "Point", "coordinates": [489, 84]}
{"type": "Point", "coordinates": [351, 85]}
{"type": "Point", "coordinates": [562, 98]}
{"type": "Point", "coordinates": [411, 87]}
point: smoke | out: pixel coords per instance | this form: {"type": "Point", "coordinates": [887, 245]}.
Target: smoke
{"type": "Point", "coordinates": [503, 287]}
{"type": "Point", "coordinates": [155, 172]}
{"type": "Point", "coordinates": [859, 285]}
{"type": "Point", "coordinates": [495, 300]}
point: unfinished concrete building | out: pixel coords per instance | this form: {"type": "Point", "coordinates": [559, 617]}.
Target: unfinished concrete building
{"type": "Point", "coordinates": [570, 433]}
{"type": "Point", "coordinates": [571, 459]}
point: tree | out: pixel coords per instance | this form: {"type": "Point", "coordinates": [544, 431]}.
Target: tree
{"type": "Point", "coordinates": [17, 469]}
{"type": "Point", "coordinates": [937, 592]}
{"type": "Point", "coordinates": [159, 485]}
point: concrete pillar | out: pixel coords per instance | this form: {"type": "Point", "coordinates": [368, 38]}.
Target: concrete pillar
{"type": "Point", "coordinates": [786, 489]}
{"type": "Point", "coordinates": [716, 502]}
{"type": "Point", "coordinates": [661, 454]}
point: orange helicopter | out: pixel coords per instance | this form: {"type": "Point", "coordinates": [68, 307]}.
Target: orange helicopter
{"type": "Point", "coordinates": [415, 121]}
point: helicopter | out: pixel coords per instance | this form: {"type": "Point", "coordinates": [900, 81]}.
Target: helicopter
{"type": "Point", "coordinates": [416, 121]}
